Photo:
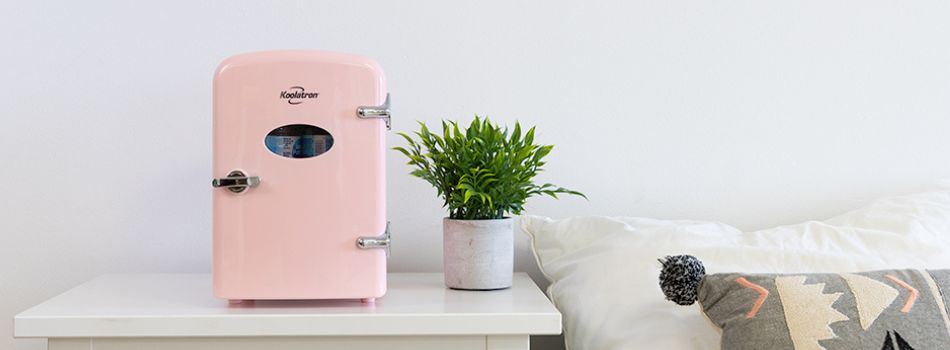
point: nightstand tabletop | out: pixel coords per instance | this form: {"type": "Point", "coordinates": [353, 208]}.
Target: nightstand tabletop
{"type": "Point", "coordinates": [181, 305]}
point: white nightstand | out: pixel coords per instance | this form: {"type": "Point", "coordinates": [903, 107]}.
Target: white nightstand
{"type": "Point", "coordinates": [177, 311]}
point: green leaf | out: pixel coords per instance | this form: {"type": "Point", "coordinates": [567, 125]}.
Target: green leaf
{"type": "Point", "coordinates": [529, 137]}
{"type": "Point", "coordinates": [402, 150]}
{"type": "Point", "coordinates": [468, 194]}
{"type": "Point", "coordinates": [516, 134]}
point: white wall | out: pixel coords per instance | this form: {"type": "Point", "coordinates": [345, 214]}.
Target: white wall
{"type": "Point", "coordinates": [755, 113]}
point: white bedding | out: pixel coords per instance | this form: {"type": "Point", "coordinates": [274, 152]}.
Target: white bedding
{"type": "Point", "coordinates": [603, 270]}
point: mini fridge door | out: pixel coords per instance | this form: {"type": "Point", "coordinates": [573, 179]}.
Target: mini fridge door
{"type": "Point", "coordinates": [299, 176]}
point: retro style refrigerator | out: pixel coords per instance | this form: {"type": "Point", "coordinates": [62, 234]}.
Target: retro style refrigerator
{"type": "Point", "coordinates": [299, 198]}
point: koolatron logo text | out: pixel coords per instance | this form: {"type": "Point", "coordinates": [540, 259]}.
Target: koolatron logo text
{"type": "Point", "coordinates": [297, 94]}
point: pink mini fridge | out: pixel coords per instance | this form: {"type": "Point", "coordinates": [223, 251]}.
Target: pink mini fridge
{"type": "Point", "coordinates": [299, 198]}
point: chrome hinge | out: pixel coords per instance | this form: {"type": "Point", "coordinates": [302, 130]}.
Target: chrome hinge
{"type": "Point", "coordinates": [376, 112]}
{"type": "Point", "coordinates": [384, 241]}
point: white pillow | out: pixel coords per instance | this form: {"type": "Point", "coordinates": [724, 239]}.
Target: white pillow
{"type": "Point", "coordinates": [604, 270]}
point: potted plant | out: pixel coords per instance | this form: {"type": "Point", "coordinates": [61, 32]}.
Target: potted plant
{"type": "Point", "coordinates": [483, 173]}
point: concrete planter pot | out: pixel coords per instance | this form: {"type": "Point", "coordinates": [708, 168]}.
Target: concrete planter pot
{"type": "Point", "coordinates": [478, 254]}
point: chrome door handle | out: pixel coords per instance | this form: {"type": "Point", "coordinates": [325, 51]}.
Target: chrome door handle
{"type": "Point", "coordinates": [236, 181]}
{"type": "Point", "coordinates": [377, 112]}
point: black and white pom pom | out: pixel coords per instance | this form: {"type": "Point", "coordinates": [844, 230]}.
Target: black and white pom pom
{"type": "Point", "coordinates": [680, 278]}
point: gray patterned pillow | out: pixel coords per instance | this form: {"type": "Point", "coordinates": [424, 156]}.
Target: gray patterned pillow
{"type": "Point", "coordinates": [893, 309]}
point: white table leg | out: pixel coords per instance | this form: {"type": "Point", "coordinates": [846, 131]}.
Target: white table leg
{"type": "Point", "coordinates": [507, 342]}
{"type": "Point", "coordinates": [69, 344]}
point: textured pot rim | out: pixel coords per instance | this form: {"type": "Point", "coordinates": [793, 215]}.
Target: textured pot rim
{"type": "Point", "coordinates": [490, 224]}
